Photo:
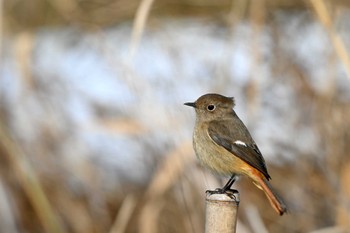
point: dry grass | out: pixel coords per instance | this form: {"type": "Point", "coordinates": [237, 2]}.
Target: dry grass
{"type": "Point", "coordinates": [316, 187]}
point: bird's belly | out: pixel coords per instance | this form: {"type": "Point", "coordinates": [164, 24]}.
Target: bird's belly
{"type": "Point", "coordinates": [215, 157]}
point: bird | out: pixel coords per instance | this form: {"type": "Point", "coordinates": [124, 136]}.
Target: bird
{"type": "Point", "coordinates": [223, 144]}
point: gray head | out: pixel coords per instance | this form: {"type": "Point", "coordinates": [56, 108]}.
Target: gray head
{"type": "Point", "coordinates": [212, 106]}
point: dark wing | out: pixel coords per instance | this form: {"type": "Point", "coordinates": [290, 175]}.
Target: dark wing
{"type": "Point", "coordinates": [248, 152]}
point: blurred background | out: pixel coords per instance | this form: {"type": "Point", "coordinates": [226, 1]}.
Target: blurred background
{"type": "Point", "coordinates": [94, 136]}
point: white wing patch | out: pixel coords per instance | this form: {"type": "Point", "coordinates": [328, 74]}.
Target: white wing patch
{"type": "Point", "coordinates": [238, 142]}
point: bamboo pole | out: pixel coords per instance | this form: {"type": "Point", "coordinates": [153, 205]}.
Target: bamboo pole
{"type": "Point", "coordinates": [221, 212]}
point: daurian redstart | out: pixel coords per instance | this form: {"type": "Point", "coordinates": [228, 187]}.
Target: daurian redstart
{"type": "Point", "coordinates": [223, 144]}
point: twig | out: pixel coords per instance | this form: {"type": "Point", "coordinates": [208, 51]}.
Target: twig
{"type": "Point", "coordinates": [338, 43]}
{"type": "Point", "coordinates": [30, 183]}
{"type": "Point", "coordinates": [139, 25]}
{"type": "Point", "coordinates": [124, 214]}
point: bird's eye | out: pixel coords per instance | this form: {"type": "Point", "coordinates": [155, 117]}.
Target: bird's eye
{"type": "Point", "coordinates": [211, 107]}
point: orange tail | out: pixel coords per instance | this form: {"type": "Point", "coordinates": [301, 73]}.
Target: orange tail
{"type": "Point", "coordinates": [275, 201]}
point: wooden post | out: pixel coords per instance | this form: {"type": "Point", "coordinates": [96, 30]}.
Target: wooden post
{"type": "Point", "coordinates": [221, 212]}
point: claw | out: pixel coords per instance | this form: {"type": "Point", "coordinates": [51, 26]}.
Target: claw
{"type": "Point", "coordinates": [229, 192]}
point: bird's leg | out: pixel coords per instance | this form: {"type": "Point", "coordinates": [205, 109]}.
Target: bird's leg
{"type": "Point", "coordinates": [226, 189]}
{"type": "Point", "coordinates": [229, 183]}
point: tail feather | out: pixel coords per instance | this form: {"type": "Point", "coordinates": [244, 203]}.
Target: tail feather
{"type": "Point", "coordinates": [276, 202]}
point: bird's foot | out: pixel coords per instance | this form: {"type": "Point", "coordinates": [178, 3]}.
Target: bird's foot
{"type": "Point", "coordinates": [229, 192]}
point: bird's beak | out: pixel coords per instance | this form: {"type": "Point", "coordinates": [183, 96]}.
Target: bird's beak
{"type": "Point", "coordinates": [191, 104]}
